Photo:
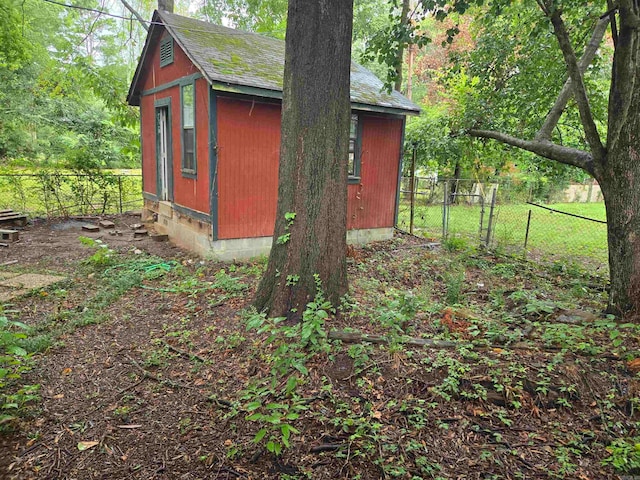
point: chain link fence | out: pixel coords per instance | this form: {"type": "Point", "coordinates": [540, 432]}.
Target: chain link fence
{"type": "Point", "coordinates": [55, 194]}
{"type": "Point", "coordinates": [562, 224]}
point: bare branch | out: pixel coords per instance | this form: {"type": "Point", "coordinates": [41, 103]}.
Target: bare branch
{"type": "Point", "coordinates": [142, 21]}
{"type": "Point", "coordinates": [579, 90]}
{"type": "Point", "coordinates": [565, 94]}
{"type": "Point", "coordinates": [623, 78]}
{"type": "Point", "coordinates": [544, 148]}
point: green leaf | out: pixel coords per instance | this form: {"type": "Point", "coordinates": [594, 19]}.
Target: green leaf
{"type": "Point", "coordinates": [15, 350]}
{"type": "Point", "coordinates": [260, 435]}
{"type": "Point", "coordinates": [286, 433]}
{"type": "Point", "coordinates": [251, 406]}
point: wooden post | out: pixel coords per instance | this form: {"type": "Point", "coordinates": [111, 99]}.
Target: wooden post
{"type": "Point", "coordinates": [481, 213]}
{"type": "Point", "coordinates": [445, 211]}
{"type": "Point", "coordinates": [120, 192]}
{"type": "Point", "coordinates": [491, 211]}
{"type": "Point", "coordinates": [526, 235]}
{"type": "Point", "coordinates": [412, 187]}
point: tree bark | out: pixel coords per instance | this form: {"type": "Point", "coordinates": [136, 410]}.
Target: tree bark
{"type": "Point", "coordinates": [404, 19]}
{"type": "Point", "coordinates": [620, 184]}
{"type": "Point", "coordinates": [313, 161]}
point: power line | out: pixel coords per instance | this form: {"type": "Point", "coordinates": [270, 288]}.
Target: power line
{"type": "Point", "coordinates": [230, 31]}
{"type": "Point", "coordinates": [94, 10]}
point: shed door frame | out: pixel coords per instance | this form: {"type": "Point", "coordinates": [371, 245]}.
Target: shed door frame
{"type": "Point", "coordinates": [164, 149]}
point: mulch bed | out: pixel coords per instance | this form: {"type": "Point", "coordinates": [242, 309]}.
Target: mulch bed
{"type": "Point", "coordinates": [130, 397]}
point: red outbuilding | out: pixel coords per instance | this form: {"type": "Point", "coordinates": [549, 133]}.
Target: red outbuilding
{"type": "Point", "coordinates": [210, 100]}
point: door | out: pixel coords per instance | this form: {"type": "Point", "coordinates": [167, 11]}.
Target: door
{"type": "Point", "coordinates": [162, 152]}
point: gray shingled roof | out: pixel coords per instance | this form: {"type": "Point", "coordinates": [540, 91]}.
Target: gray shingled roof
{"type": "Point", "coordinates": [233, 57]}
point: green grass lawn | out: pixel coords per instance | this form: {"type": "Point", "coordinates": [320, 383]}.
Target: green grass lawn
{"type": "Point", "coordinates": [59, 192]}
{"type": "Point", "coordinates": [551, 235]}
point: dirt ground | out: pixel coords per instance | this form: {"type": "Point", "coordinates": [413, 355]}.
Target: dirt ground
{"type": "Point", "coordinates": [148, 381]}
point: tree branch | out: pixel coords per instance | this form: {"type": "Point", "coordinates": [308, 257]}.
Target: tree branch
{"type": "Point", "coordinates": [565, 94]}
{"type": "Point", "coordinates": [579, 90]}
{"type": "Point", "coordinates": [614, 26]}
{"type": "Point", "coordinates": [139, 17]}
{"type": "Point", "coordinates": [544, 148]}
{"type": "Point", "coordinates": [623, 77]}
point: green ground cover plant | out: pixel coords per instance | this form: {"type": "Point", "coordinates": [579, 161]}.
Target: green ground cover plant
{"type": "Point", "coordinates": [460, 360]}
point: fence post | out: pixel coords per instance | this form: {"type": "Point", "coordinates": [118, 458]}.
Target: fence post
{"type": "Point", "coordinates": [481, 214]}
{"type": "Point", "coordinates": [526, 235]}
{"type": "Point", "coordinates": [412, 187]}
{"type": "Point", "coordinates": [445, 211]}
{"type": "Point", "coordinates": [491, 211]}
{"type": "Point", "coordinates": [120, 192]}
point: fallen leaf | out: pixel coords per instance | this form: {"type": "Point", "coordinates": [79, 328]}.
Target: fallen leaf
{"type": "Point", "coordinates": [58, 396]}
{"type": "Point", "coordinates": [82, 446]}
{"type": "Point", "coordinates": [634, 365]}
{"type": "Point", "coordinates": [66, 371]}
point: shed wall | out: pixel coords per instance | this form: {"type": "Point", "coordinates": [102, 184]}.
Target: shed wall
{"type": "Point", "coordinates": [248, 153]}
{"type": "Point", "coordinates": [188, 192]}
{"type": "Point", "coordinates": [371, 204]}
{"type": "Point", "coordinates": [192, 193]}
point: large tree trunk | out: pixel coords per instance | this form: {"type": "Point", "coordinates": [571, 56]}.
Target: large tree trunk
{"type": "Point", "coordinates": [623, 233]}
{"type": "Point", "coordinates": [620, 183]}
{"type": "Point", "coordinates": [619, 172]}
{"type": "Point", "coordinates": [313, 160]}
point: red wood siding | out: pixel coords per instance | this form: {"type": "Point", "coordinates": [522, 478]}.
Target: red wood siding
{"type": "Point", "coordinates": [154, 75]}
{"type": "Point", "coordinates": [248, 151]}
{"type": "Point", "coordinates": [371, 204]}
{"type": "Point", "coordinates": [188, 192]}
{"type": "Point", "coordinates": [148, 137]}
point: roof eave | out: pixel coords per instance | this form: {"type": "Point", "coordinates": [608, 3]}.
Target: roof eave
{"type": "Point", "coordinates": [269, 93]}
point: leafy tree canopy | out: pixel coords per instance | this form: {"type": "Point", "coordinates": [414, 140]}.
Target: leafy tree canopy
{"type": "Point", "coordinates": [63, 81]}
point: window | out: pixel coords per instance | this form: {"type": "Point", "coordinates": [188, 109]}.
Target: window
{"type": "Point", "coordinates": [166, 51]}
{"type": "Point", "coordinates": [354, 149]}
{"type": "Point", "coordinates": [188, 129]}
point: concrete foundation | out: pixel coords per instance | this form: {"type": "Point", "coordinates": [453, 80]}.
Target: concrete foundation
{"type": "Point", "coordinates": [196, 235]}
